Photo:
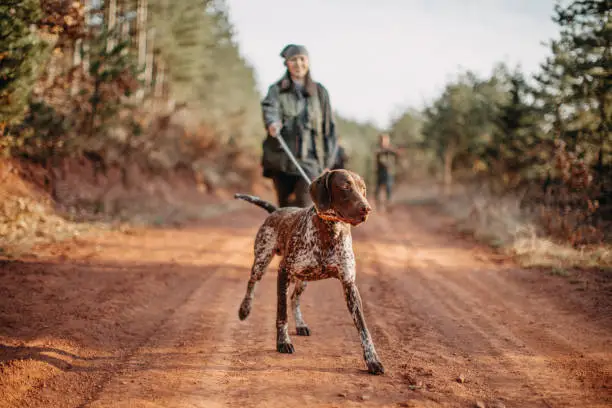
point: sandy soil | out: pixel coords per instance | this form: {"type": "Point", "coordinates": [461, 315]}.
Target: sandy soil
{"type": "Point", "coordinates": [148, 318]}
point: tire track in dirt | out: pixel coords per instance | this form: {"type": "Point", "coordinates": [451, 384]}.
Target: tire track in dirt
{"type": "Point", "coordinates": [472, 318]}
{"type": "Point", "coordinates": [327, 368]}
{"type": "Point", "coordinates": [178, 365]}
{"type": "Point", "coordinates": [402, 326]}
{"type": "Point", "coordinates": [435, 311]}
{"type": "Point", "coordinates": [324, 365]}
{"type": "Point", "coordinates": [542, 355]}
{"type": "Point", "coordinates": [127, 359]}
{"type": "Point", "coordinates": [85, 368]}
{"type": "Point", "coordinates": [188, 341]}
{"type": "Point", "coordinates": [87, 375]}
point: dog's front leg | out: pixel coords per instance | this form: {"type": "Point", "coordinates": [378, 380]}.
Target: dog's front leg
{"type": "Point", "coordinates": [353, 301]}
{"type": "Point", "coordinates": [283, 342]}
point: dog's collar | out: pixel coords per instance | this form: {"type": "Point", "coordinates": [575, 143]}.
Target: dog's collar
{"type": "Point", "coordinates": [326, 216]}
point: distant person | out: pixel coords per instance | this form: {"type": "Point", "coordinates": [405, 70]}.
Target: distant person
{"type": "Point", "coordinates": [341, 158]}
{"type": "Point", "coordinates": [386, 159]}
{"type": "Point", "coordinates": [297, 109]}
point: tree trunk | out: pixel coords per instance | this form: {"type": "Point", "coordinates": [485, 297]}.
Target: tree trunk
{"type": "Point", "coordinates": [85, 44]}
{"type": "Point", "coordinates": [94, 107]}
{"type": "Point", "coordinates": [141, 35]}
{"type": "Point", "coordinates": [449, 156]}
{"type": "Point", "coordinates": [604, 132]}
{"type": "Point", "coordinates": [76, 63]}
{"type": "Point", "coordinates": [125, 179]}
{"type": "Point", "coordinates": [141, 31]}
{"type": "Point", "coordinates": [148, 73]}
{"type": "Point", "coordinates": [51, 176]}
{"type": "Point", "coordinates": [111, 21]}
{"type": "Point", "coordinates": [124, 34]}
{"type": "Point", "coordinates": [160, 73]}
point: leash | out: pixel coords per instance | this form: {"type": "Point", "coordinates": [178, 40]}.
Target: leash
{"type": "Point", "coordinates": [332, 157]}
{"type": "Point", "coordinates": [295, 162]}
{"type": "Point", "coordinates": [284, 146]}
{"type": "Point", "coordinates": [291, 157]}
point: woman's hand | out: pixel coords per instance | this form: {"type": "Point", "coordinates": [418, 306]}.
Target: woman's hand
{"type": "Point", "coordinates": [274, 129]}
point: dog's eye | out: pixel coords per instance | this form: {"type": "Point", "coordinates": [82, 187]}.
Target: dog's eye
{"type": "Point", "coordinates": [346, 187]}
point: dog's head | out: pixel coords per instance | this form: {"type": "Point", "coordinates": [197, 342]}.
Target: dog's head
{"type": "Point", "coordinates": [340, 195]}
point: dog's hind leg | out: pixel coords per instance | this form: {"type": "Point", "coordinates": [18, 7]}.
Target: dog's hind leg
{"type": "Point", "coordinates": [264, 252]}
{"type": "Point", "coordinates": [283, 342]}
{"type": "Point", "coordinates": [300, 325]}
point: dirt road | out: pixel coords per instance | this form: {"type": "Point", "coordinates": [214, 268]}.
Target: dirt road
{"type": "Point", "coordinates": [149, 319]}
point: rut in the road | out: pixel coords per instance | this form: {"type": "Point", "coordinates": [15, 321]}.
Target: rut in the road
{"type": "Point", "coordinates": [150, 320]}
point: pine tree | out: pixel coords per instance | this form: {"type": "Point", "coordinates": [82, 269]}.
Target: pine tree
{"type": "Point", "coordinates": [21, 52]}
{"type": "Point", "coordinates": [515, 148]}
{"type": "Point", "coordinates": [460, 123]}
{"type": "Point", "coordinates": [576, 80]}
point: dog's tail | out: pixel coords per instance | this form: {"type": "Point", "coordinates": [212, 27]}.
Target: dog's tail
{"type": "Point", "coordinates": [269, 207]}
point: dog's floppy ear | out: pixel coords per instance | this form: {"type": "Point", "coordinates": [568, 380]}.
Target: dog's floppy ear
{"type": "Point", "coordinates": [320, 192]}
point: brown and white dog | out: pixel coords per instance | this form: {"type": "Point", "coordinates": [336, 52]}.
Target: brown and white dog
{"type": "Point", "coordinates": [314, 243]}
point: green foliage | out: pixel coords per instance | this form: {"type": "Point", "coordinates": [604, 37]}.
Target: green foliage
{"type": "Point", "coordinates": [407, 132]}
{"type": "Point", "coordinates": [63, 126]}
{"type": "Point", "coordinates": [43, 132]}
{"type": "Point", "coordinates": [460, 124]}
{"type": "Point", "coordinates": [359, 140]}
{"type": "Point", "coordinates": [505, 126]}
{"type": "Point", "coordinates": [551, 132]}
{"type": "Point", "coordinates": [113, 71]}
{"type": "Point", "coordinates": [183, 38]}
{"type": "Point", "coordinates": [515, 151]}
{"type": "Point", "coordinates": [196, 40]}
{"type": "Point", "coordinates": [575, 82]}
{"type": "Point", "coordinates": [407, 129]}
{"type": "Point", "coordinates": [21, 57]}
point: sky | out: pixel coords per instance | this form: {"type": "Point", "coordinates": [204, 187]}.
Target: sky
{"type": "Point", "coordinates": [380, 57]}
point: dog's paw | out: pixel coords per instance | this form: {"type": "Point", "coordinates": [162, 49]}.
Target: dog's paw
{"type": "Point", "coordinates": [375, 367]}
{"type": "Point", "coordinates": [302, 331]}
{"type": "Point", "coordinates": [245, 309]}
{"type": "Point", "coordinates": [286, 348]}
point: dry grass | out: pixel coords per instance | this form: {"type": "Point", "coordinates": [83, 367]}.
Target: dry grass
{"type": "Point", "coordinates": [25, 222]}
{"type": "Point", "coordinates": [27, 217]}
{"type": "Point", "coordinates": [535, 251]}
{"type": "Point", "coordinates": [503, 224]}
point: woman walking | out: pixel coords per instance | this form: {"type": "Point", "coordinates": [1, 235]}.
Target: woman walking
{"type": "Point", "coordinates": [297, 109]}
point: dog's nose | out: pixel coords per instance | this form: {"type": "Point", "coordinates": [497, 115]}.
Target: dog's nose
{"type": "Point", "coordinates": [365, 209]}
